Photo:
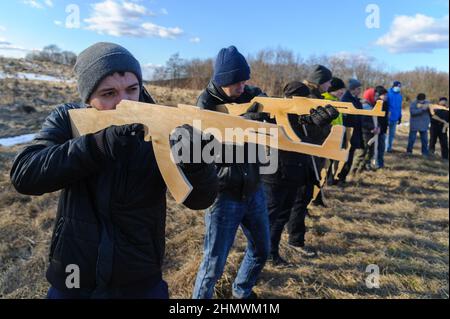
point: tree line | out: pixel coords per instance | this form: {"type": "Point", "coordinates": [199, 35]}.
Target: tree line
{"type": "Point", "coordinates": [273, 68]}
{"type": "Point", "coordinates": [52, 53]}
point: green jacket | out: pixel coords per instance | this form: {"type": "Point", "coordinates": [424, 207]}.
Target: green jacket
{"type": "Point", "coordinates": [329, 97]}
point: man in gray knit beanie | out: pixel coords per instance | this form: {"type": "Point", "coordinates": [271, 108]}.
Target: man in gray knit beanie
{"type": "Point", "coordinates": [112, 210]}
{"type": "Point", "coordinates": [101, 60]}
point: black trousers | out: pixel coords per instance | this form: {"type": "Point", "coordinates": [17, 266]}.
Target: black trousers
{"type": "Point", "coordinates": [287, 205]}
{"type": "Point", "coordinates": [435, 134]}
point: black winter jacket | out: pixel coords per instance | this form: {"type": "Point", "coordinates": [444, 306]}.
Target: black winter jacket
{"type": "Point", "coordinates": [354, 121]}
{"type": "Point", "coordinates": [111, 215]}
{"type": "Point", "coordinates": [237, 180]}
{"type": "Point", "coordinates": [294, 169]}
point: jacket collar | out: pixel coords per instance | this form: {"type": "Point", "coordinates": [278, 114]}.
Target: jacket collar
{"type": "Point", "coordinates": [217, 92]}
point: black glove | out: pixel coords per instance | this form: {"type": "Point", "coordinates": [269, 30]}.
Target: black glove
{"type": "Point", "coordinates": [320, 116]}
{"type": "Point", "coordinates": [185, 135]}
{"type": "Point", "coordinates": [117, 142]}
{"type": "Point", "coordinates": [254, 114]}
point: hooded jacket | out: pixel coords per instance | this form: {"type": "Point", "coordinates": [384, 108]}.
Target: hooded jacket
{"type": "Point", "coordinates": [395, 100]}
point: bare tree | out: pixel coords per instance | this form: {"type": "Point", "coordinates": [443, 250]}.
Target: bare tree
{"type": "Point", "coordinates": [52, 53]}
{"type": "Point", "coordinates": [272, 69]}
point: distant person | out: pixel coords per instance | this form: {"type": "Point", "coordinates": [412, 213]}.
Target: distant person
{"type": "Point", "coordinates": [370, 129]}
{"type": "Point", "coordinates": [395, 101]}
{"type": "Point", "coordinates": [111, 214]}
{"type": "Point", "coordinates": [356, 155]}
{"type": "Point", "coordinates": [318, 82]}
{"type": "Point", "coordinates": [439, 129]}
{"type": "Point", "coordinates": [419, 122]}
{"type": "Point", "coordinates": [289, 190]}
{"type": "Point", "coordinates": [383, 123]}
{"type": "Point", "coordinates": [335, 93]}
{"type": "Point", "coordinates": [374, 127]}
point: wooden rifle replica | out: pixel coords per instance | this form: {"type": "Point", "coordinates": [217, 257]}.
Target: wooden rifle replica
{"type": "Point", "coordinates": [279, 108]}
{"type": "Point", "coordinates": [160, 121]}
{"type": "Point", "coordinates": [433, 108]}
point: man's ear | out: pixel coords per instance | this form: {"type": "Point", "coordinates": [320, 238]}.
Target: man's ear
{"type": "Point", "coordinates": [145, 97]}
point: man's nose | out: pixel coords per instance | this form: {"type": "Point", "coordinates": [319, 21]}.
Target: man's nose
{"type": "Point", "coordinates": [123, 95]}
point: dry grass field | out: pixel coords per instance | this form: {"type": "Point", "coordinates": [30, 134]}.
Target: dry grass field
{"type": "Point", "coordinates": [396, 218]}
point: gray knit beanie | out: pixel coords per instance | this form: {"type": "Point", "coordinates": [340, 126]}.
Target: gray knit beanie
{"type": "Point", "coordinates": [99, 61]}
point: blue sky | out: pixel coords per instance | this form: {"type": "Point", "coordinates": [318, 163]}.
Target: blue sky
{"type": "Point", "coordinates": [410, 33]}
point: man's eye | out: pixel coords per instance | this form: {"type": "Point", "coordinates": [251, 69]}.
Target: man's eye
{"type": "Point", "coordinates": [109, 94]}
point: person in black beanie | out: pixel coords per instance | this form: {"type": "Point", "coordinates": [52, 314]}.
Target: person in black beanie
{"type": "Point", "coordinates": [383, 122]}
{"type": "Point", "coordinates": [318, 81]}
{"type": "Point", "coordinates": [335, 93]}
{"type": "Point", "coordinates": [241, 200]}
{"type": "Point", "coordinates": [290, 190]}
{"type": "Point", "coordinates": [439, 128]}
{"type": "Point", "coordinates": [356, 154]}
{"type": "Point", "coordinates": [110, 222]}
{"type": "Point", "coordinates": [419, 123]}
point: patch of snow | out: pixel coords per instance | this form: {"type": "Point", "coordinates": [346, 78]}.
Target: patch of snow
{"type": "Point", "coordinates": [16, 140]}
{"type": "Point", "coordinates": [34, 77]}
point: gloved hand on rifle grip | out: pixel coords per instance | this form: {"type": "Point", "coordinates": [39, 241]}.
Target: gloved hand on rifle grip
{"type": "Point", "coordinates": [320, 116]}
{"type": "Point", "coordinates": [116, 142]}
{"type": "Point", "coordinates": [182, 139]}
{"type": "Point", "coordinates": [253, 113]}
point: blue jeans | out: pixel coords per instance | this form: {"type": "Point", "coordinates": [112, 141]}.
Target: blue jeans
{"type": "Point", "coordinates": [222, 220]}
{"type": "Point", "coordinates": [391, 137]}
{"type": "Point", "coordinates": [158, 291]}
{"type": "Point", "coordinates": [423, 139]}
{"type": "Point", "coordinates": [381, 149]}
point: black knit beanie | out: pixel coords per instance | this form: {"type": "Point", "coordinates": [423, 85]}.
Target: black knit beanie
{"type": "Point", "coordinates": [296, 88]}
{"type": "Point", "coordinates": [319, 75]}
{"type": "Point", "coordinates": [336, 84]}
{"type": "Point", "coordinates": [230, 67]}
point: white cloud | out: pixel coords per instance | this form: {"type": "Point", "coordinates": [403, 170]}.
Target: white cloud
{"type": "Point", "coordinates": [164, 11]}
{"type": "Point", "coordinates": [194, 40]}
{"type": "Point", "coordinates": [34, 4]}
{"type": "Point", "coordinates": [419, 33]}
{"type": "Point", "coordinates": [359, 57]}
{"type": "Point", "coordinates": [2, 28]}
{"type": "Point", "coordinates": [57, 22]}
{"type": "Point", "coordinates": [39, 4]}
{"type": "Point", "coordinates": [148, 70]}
{"type": "Point", "coordinates": [125, 18]}
{"type": "Point", "coordinates": [151, 29]}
